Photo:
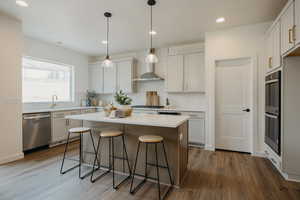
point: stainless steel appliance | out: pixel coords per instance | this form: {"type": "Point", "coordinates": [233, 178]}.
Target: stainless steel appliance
{"type": "Point", "coordinates": [273, 111]}
{"type": "Point", "coordinates": [36, 130]}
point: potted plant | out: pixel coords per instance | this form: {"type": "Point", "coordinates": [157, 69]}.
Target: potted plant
{"type": "Point", "coordinates": [124, 101]}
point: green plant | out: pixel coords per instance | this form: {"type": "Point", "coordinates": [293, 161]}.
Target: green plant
{"type": "Point", "coordinates": [122, 98]}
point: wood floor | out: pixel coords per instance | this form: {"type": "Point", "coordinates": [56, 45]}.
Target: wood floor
{"type": "Point", "coordinates": [212, 176]}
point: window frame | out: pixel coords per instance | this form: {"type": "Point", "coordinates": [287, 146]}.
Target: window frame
{"type": "Point", "coordinates": [72, 80]}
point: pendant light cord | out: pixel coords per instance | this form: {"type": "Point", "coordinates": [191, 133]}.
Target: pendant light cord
{"type": "Point", "coordinates": [151, 24]}
{"type": "Point", "coordinates": [107, 32]}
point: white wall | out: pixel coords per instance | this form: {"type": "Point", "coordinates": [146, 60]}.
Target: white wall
{"type": "Point", "coordinates": [42, 50]}
{"type": "Point", "coordinates": [244, 41]}
{"type": "Point", "coordinates": [10, 89]}
{"type": "Point", "coordinates": [181, 100]}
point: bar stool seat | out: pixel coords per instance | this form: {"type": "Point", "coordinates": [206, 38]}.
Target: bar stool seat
{"type": "Point", "coordinates": [80, 130]}
{"type": "Point", "coordinates": [111, 133]}
{"type": "Point", "coordinates": [151, 138]}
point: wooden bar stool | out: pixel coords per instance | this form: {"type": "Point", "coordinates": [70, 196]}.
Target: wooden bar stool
{"type": "Point", "coordinates": [80, 131]}
{"type": "Point", "coordinates": [111, 135]}
{"type": "Point", "coordinates": [155, 140]}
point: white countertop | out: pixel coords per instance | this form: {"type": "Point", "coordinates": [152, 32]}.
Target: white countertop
{"type": "Point", "coordinates": [169, 121]}
{"type": "Point", "coordinates": [26, 111]}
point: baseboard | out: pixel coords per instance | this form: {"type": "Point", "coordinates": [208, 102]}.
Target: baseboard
{"type": "Point", "coordinates": [12, 158]}
{"type": "Point", "coordinates": [259, 154]}
{"type": "Point", "coordinates": [209, 148]}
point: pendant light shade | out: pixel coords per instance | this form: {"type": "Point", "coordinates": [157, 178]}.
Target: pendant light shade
{"type": "Point", "coordinates": [151, 58]}
{"type": "Point", "coordinates": [107, 62]}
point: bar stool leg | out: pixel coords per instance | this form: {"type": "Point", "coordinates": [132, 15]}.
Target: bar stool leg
{"type": "Point", "coordinates": [63, 161]}
{"type": "Point", "coordinates": [113, 161]}
{"type": "Point", "coordinates": [80, 156]}
{"type": "Point", "coordinates": [125, 150]}
{"type": "Point", "coordinates": [157, 172]}
{"type": "Point", "coordinates": [96, 158]}
{"type": "Point", "coordinates": [136, 158]}
{"type": "Point", "coordinates": [166, 159]}
{"type": "Point", "coordinates": [94, 147]}
{"type": "Point", "coordinates": [146, 162]}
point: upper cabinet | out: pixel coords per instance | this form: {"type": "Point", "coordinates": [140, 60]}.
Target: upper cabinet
{"type": "Point", "coordinates": [185, 71]}
{"type": "Point", "coordinates": [96, 77]}
{"type": "Point", "coordinates": [288, 29]}
{"type": "Point", "coordinates": [110, 80]}
{"type": "Point", "coordinates": [125, 76]}
{"type": "Point", "coordinates": [174, 74]}
{"type": "Point", "coordinates": [297, 21]}
{"type": "Point", "coordinates": [273, 47]}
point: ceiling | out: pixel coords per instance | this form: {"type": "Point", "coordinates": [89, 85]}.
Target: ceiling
{"type": "Point", "coordinates": [80, 24]}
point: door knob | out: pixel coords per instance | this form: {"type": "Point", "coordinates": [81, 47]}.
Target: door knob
{"type": "Point", "coordinates": [247, 110]}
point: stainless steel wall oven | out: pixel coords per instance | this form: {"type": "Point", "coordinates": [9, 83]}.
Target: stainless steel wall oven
{"type": "Point", "coordinates": [273, 111]}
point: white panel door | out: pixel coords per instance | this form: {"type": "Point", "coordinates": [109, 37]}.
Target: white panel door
{"type": "Point", "coordinates": [124, 78]}
{"type": "Point", "coordinates": [287, 25]}
{"type": "Point", "coordinates": [194, 72]}
{"type": "Point", "coordinates": [232, 97]}
{"type": "Point", "coordinates": [297, 21]}
{"type": "Point", "coordinates": [96, 78]}
{"type": "Point", "coordinates": [174, 72]}
{"type": "Point", "coordinates": [270, 50]}
{"type": "Point", "coordinates": [109, 79]}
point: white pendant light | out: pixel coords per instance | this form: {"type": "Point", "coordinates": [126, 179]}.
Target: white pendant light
{"type": "Point", "coordinates": [107, 62]}
{"type": "Point", "coordinates": [151, 57]}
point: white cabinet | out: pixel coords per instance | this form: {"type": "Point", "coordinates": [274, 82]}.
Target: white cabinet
{"type": "Point", "coordinates": [297, 21]}
{"type": "Point", "coordinates": [60, 125]}
{"type": "Point", "coordinates": [273, 48]}
{"type": "Point", "coordinates": [125, 76]}
{"type": "Point", "coordinates": [174, 74]}
{"type": "Point", "coordinates": [287, 29]}
{"type": "Point", "coordinates": [196, 128]}
{"type": "Point", "coordinates": [185, 73]}
{"type": "Point", "coordinates": [110, 79]}
{"type": "Point", "coordinates": [194, 72]}
{"type": "Point", "coordinates": [96, 78]}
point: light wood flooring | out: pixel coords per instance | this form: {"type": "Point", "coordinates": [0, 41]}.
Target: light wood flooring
{"type": "Point", "coordinates": [211, 176]}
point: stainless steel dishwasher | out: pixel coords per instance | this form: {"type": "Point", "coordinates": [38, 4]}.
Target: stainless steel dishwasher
{"type": "Point", "coordinates": [36, 130]}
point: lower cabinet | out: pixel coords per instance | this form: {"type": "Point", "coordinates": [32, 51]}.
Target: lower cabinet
{"type": "Point", "coordinates": [197, 131]}
{"type": "Point", "coordinates": [196, 128]}
{"type": "Point", "coordinates": [60, 125]}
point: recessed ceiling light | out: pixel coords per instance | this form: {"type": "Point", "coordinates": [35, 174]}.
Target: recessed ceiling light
{"type": "Point", "coordinates": [104, 42]}
{"type": "Point", "coordinates": [220, 20]}
{"type": "Point", "coordinates": [152, 32]}
{"type": "Point", "coordinates": [22, 3]}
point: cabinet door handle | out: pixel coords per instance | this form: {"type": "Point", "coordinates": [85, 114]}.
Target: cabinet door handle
{"type": "Point", "coordinates": [294, 33]}
{"type": "Point", "coordinates": [270, 62]}
{"type": "Point", "coordinates": [290, 36]}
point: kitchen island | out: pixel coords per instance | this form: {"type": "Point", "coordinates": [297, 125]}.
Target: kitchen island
{"type": "Point", "coordinates": [174, 130]}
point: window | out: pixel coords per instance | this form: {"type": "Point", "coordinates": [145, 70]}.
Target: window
{"type": "Point", "coordinates": [43, 79]}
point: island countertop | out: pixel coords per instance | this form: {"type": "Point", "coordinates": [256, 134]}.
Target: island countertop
{"type": "Point", "coordinates": [168, 121]}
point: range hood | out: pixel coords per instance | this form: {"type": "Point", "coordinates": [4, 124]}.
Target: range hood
{"type": "Point", "coordinates": [149, 75]}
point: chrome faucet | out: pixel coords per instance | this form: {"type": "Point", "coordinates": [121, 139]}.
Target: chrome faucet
{"type": "Point", "coordinates": [54, 98]}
